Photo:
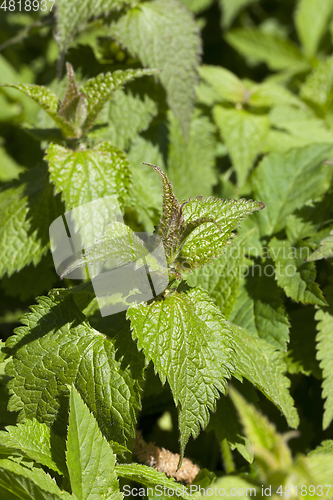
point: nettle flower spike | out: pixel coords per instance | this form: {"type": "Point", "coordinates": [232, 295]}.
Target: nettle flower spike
{"type": "Point", "coordinates": [197, 230]}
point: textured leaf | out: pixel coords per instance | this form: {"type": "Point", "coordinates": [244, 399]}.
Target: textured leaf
{"type": "Point", "coordinates": [193, 160]}
{"type": "Point", "coordinates": [318, 87]}
{"type": "Point", "coordinates": [208, 240]}
{"type": "Point", "coordinates": [170, 34]}
{"type": "Point", "coordinates": [270, 94]}
{"type": "Point", "coordinates": [58, 347]}
{"type": "Point", "coordinates": [325, 354]}
{"type": "Point", "coordinates": [227, 85]}
{"type": "Point", "coordinates": [126, 115]}
{"type": "Point", "coordinates": [151, 478]}
{"type": "Point", "coordinates": [118, 242]}
{"type": "Point", "coordinates": [244, 135]}
{"type": "Point", "coordinates": [230, 9]}
{"type": "Point", "coordinates": [186, 338]}
{"type": "Point", "coordinates": [222, 277]}
{"type": "Point", "coordinates": [259, 306]}
{"type": "Point", "coordinates": [27, 208]}
{"type": "Point", "coordinates": [278, 53]}
{"type": "Point", "coordinates": [293, 273]}
{"type": "Point", "coordinates": [99, 90]}
{"type": "Point", "coordinates": [26, 483]}
{"type": "Point", "coordinates": [302, 125]}
{"type": "Point", "coordinates": [311, 23]}
{"type": "Point", "coordinates": [73, 16]}
{"type": "Point", "coordinates": [38, 442]}
{"type": "Point", "coordinates": [325, 448]}
{"type": "Point", "coordinates": [325, 251]}
{"type": "Point", "coordinates": [270, 448]}
{"type": "Point", "coordinates": [226, 425]}
{"type": "Point", "coordinates": [290, 180]}
{"type": "Point", "coordinates": [263, 366]}
{"type": "Point", "coordinates": [84, 176]}
{"type": "Point", "coordinates": [90, 458]}
{"type": "Point", "coordinates": [49, 102]}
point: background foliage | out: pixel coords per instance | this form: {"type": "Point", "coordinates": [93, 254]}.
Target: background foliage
{"type": "Point", "coordinates": [232, 99]}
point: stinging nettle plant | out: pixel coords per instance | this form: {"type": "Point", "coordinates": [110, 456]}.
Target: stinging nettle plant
{"type": "Point", "coordinates": [232, 323]}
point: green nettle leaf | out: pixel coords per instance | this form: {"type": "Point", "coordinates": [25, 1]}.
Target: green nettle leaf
{"type": "Point", "coordinates": [302, 125]}
{"type": "Point", "coordinates": [226, 425]}
{"type": "Point", "coordinates": [57, 347]}
{"type": "Point", "coordinates": [26, 483]}
{"type": "Point", "coordinates": [259, 306]}
{"type": "Point", "coordinates": [318, 87]}
{"type": "Point", "coordinates": [262, 365]}
{"type": "Point", "coordinates": [73, 17]}
{"type": "Point", "coordinates": [170, 35]}
{"type": "Point", "coordinates": [270, 448]}
{"type": "Point", "coordinates": [223, 276]}
{"type": "Point", "coordinates": [90, 458]}
{"type": "Point", "coordinates": [311, 22]}
{"type": "Point", "coordinates": [49, 102]}
{"type": "Point", "coordinates": [125, 115]}
{"type": "Point", "coordinates": [99, 90]}
{"type": "Point", "coordinates": [224, 82]}
{"type": "Point", "coordinates": [117, 242]}
{"type": "Point", "coordinates": [325, 251]}
{"type": "Point", "coordinates": [278, 53]}
{"type": "Point", "coordinates": [37, 441]}
{"type": "Point", "coordinates": [325, 448]}
{"type": "Point", "coordinates": [210, 238]}
{"type": "Point", "coordinates": [244, 135]}
{"type": "Point", "coordinates": [150, 478]}
{"type": "Point", "coordinates": [293, 273]}
{"type": "Point", "coordinates": [290, 180]}
{"type": "Point", "coordinates": [325, 354]}
{"type": "Point", "coordinates": [27, 208]}
{"type": "Point", "coordinates": [84, 176]}
{"type": "Point", "coordinates": [193, 160]}
{"type": "Point", "coordinates": [189, 343]}
{"type": "Point", "coordinates": [271, 94]}
{"type": "Point", "coordinates": [231, 9]}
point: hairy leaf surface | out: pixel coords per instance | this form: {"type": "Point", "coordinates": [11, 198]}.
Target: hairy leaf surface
{"type": "Point", "coordinates": [264, 367]}
{"type": "Point", "coordinates": [37, 441]}
{"type": "Point", "coordinates": [293, 273]}
{"type": "Point", "coordinates": [27, 208]}
{"type": "Point", "coordinates": [189, 343]}
{"type": "Point", "coordinates": [161, 32]}
{"type": "Point", "coordinates": [208, 240]}
{"type": "Point", "coordinates": [90, 458]}
{"type": "Point", "coordinates": [259, 306]}
{"type": "Point", "coordinates": [73, 16]}
{"type": "Point", "coordinates": [286, 181]}
{"type": "Point", "coordinates": [193, 160]}
{"type": "Point", "coordinates": [57, 347]}
{"type": "Point", "coordinates": [26, 483]}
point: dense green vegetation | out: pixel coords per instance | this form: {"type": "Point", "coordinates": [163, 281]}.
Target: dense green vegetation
{"type": "Point", "coordinates": [212, 123]}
